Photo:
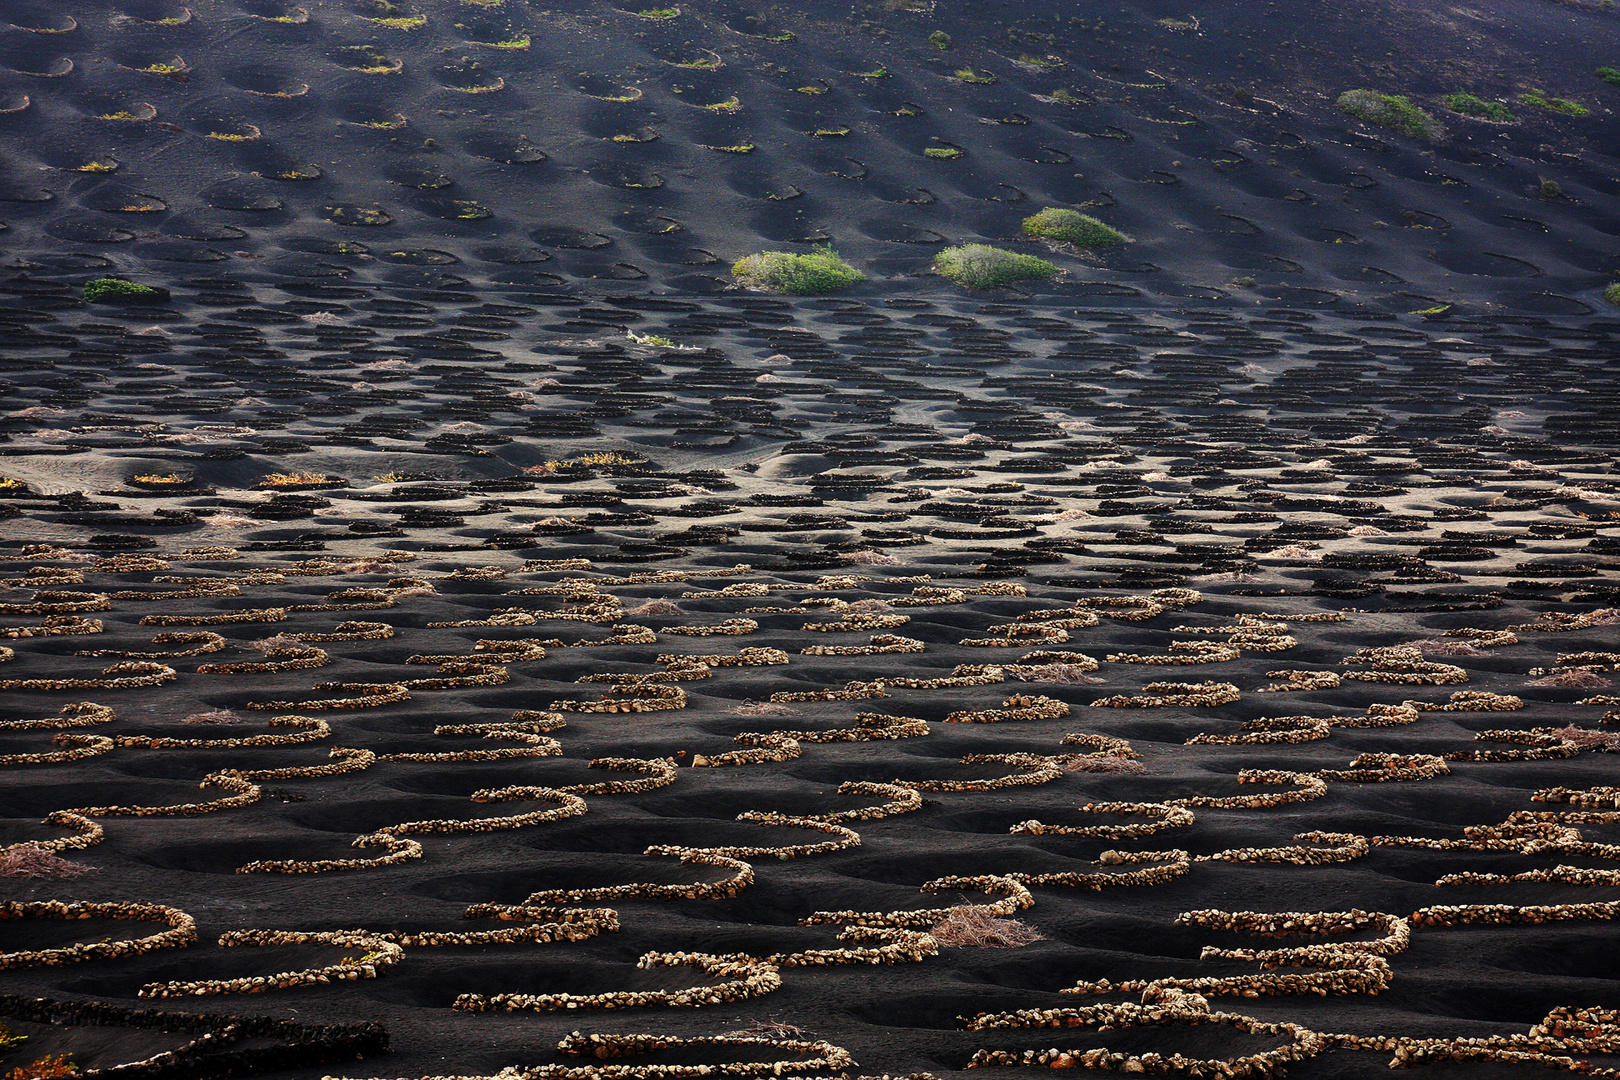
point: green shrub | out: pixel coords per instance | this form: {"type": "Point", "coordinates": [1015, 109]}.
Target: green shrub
{"type": "Point", "coordinates": [940, 40]}
{"type": "Point", "coordinates": [1550, 189]}
{"type": "Point", "coordinates": [111, 290]}
{"type": "Point", "coordinates": [980, 266]}
{"type": "Point", "coordinates": [1391, 111]}
{"type": "Point", "coordinates": [821, 271]}
{"type": "Point", "coordinates": [1562, 106]}
{"type": "Point", "coordinates": [1609, 75]}
{"type": "Point", "coordinates": [1469, 105]}
{"type": "Point", "coordinates": [977, 78]}
{"type": "Point", "coordinates": [943, 153]}
{"type": "Point", "coordinates": [1056, 223]}
{"type": "Point", "coordinates": [1612, 294]}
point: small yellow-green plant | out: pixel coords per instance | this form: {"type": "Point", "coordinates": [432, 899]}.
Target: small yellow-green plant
{"type": "Point", "coordinates": [402, 22]}
{"type": "Point", "coordinates": [1563, 106]}
{"type": "Point", "coordinates": [1064, 97]}
{"type": "Point", "coordinates": [1391, 111]}
{"type": "Point", "coordinates": [1612, 294]}
{"type": "Point", "coordinates": [1479, 108]}
{"type": "Point", "coordinates": [977, 78]}
{"type": "Point", "coordinates": [659, 13]}
{"type": "Point", "coordinates": [980, 266]}
{"type": "Point", "coordinates": [658, 340]}
{"type": "Point", "coordinates": [943, 153]}
{"type": "Point", "coordinates": [940, 40]}
{"type": "Point", "coordinates": [46, 1068]}
{"type": "Point", "coordinates": [820, 271]}
{"type": "Point", "coordinates": [115, 290]}
{"type": "Point", "coordinates": [1609, 75]}
{"type": "Point", "coordinates": [730, 105]}
{"type": "Point", "coordinates": [358, 215]}
{"type": "Point", "coordinates": [584, 461]}
{"type": "Point", "coordinates": [1058, 223]}
{"type": "Point", "coordinates": [281, 479]}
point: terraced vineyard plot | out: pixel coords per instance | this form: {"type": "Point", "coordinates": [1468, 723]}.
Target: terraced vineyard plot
{"type": "Point", "coordinates": [865, 690]}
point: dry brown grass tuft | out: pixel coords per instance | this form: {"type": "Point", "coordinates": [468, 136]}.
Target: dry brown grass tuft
{"type": "Point", "coordinates": [771, 1029]}
{"type": "Point", "coordinates": [278, 643]}
{"type": "Point", "coordinates": [1069, 674]}
{"type": "Point", "coordinates": [764, 708]}
{"type": "Point", "coordinates": [971, 928]}
{"type": "Point", "coordinates": [1589, 738]}
{"type": "Point", "coordinates": [225, 519]}
{"type": "Point", "coordinates": [32, 861]}
{"type": "Point", "coordinates": [870, 558]}
{"type": "Point", "coordinates": [1445, 647]}
{"type": "Point", "coordinates": [1107, 763]}
{"type": "Point", "coordinates": [654, 607]}
{"type": "Point", "coordinates": [213, 716]}
{"type": "Point", "coordinates": [1572, 678]}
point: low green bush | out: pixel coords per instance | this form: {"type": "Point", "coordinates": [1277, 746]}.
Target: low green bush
{"type": "Point", "coordinates": [940, 40]}
{"type": "Point", "coordinates": [1391, 111]}
{"type": "Point", "coordinates": [1563, 106]}
{"type": "Point", "coordinates": [1479, 108]}
{"type": "Point", "coordinates": [821, 271]}
{"type": "Point", "coordinates": [980, 266]}
{"type": "Point", "coordinates": [1609, 75]}
{"type": "Point", "coordinates": [1057, 223]}
{"type": "Point", "coordinates": [111, 290]}
{"type": "Point", "coordinates": [1612, 294]}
